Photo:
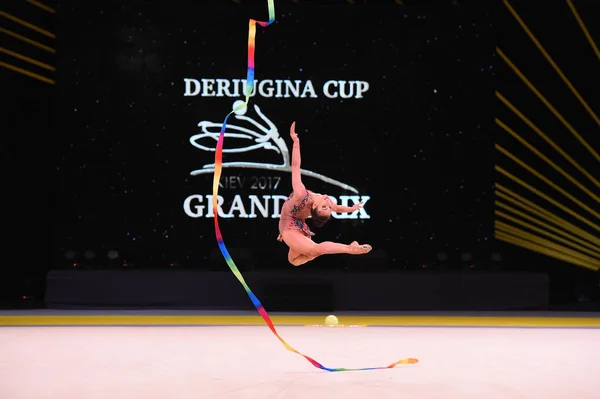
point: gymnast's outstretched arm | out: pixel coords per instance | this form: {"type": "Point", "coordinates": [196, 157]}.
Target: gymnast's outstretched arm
{"type": "Point", "coordinates": [297, 185]}
{"type": "Point", "coordinates": [341, 208]}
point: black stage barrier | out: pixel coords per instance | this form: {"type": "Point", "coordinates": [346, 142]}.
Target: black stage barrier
{"type": "Point", "coordinates": [297, 290]}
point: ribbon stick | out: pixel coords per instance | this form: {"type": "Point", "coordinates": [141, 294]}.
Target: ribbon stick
{"type": "Point", "coordinates": [218, 169]}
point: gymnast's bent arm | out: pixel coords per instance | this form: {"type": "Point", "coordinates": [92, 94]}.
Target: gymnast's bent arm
{"type": "Point", "coordinates": [341, 208]}
{"type": "Point", "coordinates": [297, 185]}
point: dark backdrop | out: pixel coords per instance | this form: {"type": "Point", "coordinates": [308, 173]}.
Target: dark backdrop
{"type": "Point", "coordinates": [419, 143]}
{"type": "Point", "coordinates": [120, 126]}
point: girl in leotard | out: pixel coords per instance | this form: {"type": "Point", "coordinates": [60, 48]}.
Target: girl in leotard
{"type": "Point", "coordinates": [303, 203]}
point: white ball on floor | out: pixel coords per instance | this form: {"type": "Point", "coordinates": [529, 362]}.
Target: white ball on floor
{"type": "Point", "coordinates": [331, 320]}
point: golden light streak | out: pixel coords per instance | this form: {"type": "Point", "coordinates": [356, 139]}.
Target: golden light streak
{"type": "Point", "coordinates": [547, 181]}
{"type": "Point", "coordinates": [27, 59]}
{"type": "Point", "coordinates": [548, 105]}
{"type": "Point", "coordinates": [26, 72]}
{"type": "Point", "coordinates": [541, 231]}
{"type": "Point", "coordinates": [511, 239]}
{"type": "Point", "coordinates": [42, 6]}
{"type": "Point", "coordinates": [506, 228]}
{"type": "Point", "coordinates": [547, 139]}
{"type": "Point", "coordinates": [552, 63]}
{"type": "Point", "coordinates": [583, 28]}
{"type": "Point", "coordinates": [27, 24]}
{"type": "Point", "coordinates": [544, 196]}
{"type": "Point", "coordinates": [546, 159]}
{"type": "Point", "coordinates": [547, 215]}
{"type": "Point", "coordinates": [27, 40]}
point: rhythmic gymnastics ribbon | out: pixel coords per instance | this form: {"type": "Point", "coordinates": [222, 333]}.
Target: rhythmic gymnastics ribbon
{"type": "Point", "coordinates": [218, 169]}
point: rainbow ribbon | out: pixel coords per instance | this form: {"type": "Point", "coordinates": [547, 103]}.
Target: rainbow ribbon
{"type": "Point", "coordinates": [217, 176]}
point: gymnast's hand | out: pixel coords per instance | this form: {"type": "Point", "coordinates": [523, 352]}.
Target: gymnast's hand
{"type": "Point", "coordinates": [356, 207]}
{"type": "Point", "coordinates": [293, 133]}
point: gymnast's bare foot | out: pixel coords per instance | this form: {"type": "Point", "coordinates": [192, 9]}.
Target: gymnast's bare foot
{"type": "Point", "coordinates": [358, 249]}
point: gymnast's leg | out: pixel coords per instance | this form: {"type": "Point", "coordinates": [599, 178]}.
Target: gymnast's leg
{"type": "Point", "coordinates": [303, 249]}
{"type": "Point", "coordinates": [297, 259]}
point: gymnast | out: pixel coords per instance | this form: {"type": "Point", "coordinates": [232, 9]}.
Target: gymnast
{"type": "Point", "coordinates": [303, 203]}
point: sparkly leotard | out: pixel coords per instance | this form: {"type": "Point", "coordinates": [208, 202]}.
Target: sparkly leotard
{"type": "Point", "coordinates": [294, 215]}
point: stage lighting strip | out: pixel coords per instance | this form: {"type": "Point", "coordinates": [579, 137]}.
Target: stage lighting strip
{"type": "Point", "coordinates": [82, 318]}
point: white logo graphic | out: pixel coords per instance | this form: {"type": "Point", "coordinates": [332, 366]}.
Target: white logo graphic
{"type": "Point", "coordinates": [257, 136]}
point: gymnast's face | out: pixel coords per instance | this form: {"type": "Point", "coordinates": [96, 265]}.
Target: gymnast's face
{"type": "Point", "coordinates": [323, 206]}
